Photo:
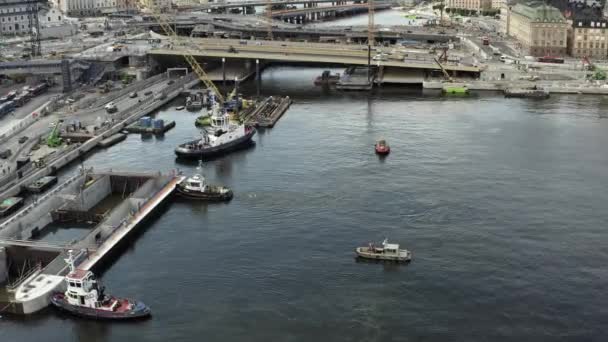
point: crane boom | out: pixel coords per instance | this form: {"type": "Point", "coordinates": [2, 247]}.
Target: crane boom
{"type": "Point", "coordinates": [445, 73]}
{"type": "Point", "coordinates": [196, 67]}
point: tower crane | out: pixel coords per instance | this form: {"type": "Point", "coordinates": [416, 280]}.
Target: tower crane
{"type": "Point", "coordinates": [177, 40]}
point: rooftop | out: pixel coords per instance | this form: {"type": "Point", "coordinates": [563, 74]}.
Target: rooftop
{"type": "Point", "coordinates": [78, 274]}
{"type": "Point", "coordinates": [539, 13]}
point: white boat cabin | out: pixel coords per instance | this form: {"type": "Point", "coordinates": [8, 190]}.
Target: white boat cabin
{"type": "Point", "coordinates": [197, 182]}
{"type": "Point", "coordinates": [82, 287]}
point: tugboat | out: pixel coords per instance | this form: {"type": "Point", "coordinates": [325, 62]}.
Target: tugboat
{"type": "Point", "coordinates": [382, 148]}
{"type": "Point", "coordinates": [220, 138]}
{"type": "Point", "coordinates": [388, 252]}
{"type": "Point", "coordinates": [85, 297]}
{"type": "Point", "coordinates": [327, 78]}
{"type": "Point", "coordinates": [196, 187]}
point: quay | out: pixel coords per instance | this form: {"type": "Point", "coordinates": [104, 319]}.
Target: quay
{"type": "Point", "coordinates": [138, 128]}
{"type": "Point", "coordinates": [81, 201]}
{"type": "Point", "coordinates": [553, 87]}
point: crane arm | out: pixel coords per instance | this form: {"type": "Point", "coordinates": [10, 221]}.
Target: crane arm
{"type": "Point", "coordinates": [445, 73]}
{"type": "Point", "coordinates": [196, 67]}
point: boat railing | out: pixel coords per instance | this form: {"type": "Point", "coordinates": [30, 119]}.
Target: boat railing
{"type": "Point", "coordinates": [12, 286]}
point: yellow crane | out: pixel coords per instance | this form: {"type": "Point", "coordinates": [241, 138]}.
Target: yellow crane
{"type": "Point", "coordinates": [447, 76]}
{"type": "Point", "coordinates": [177, 40]}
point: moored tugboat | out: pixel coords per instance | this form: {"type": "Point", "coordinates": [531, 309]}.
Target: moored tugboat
{"type": "Point", "coordinates": [85, 297]}
{"type": "Point", "coordinates": [220, 138]}
{"type": "Point", "coordinates": [196, 187]}
{"type": "Point", "coordinates": [382, 148]}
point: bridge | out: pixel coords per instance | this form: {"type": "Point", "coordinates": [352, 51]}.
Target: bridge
{"type": "Point", "coordinates": [262, 3]}
{"type": "Point", "coordinates": [306, 14]}
{"type": "Point", "coordinates": [69, 69]}
{"type": "Point", "coordinates": [303, 53]}
{"type": "Point", "coordinates": [236, 26]}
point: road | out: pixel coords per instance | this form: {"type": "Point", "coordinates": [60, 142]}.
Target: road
{"type": "Point", "coordinates": [296, 52]}
{"type": "Point", "coordinates": [92, 116]}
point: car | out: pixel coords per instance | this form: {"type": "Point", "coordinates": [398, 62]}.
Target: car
{"type": "Point", "coordinates": [170, 82]}
{"type": "Point", "coordinates": [380, 57]}
{"type": "Point", "coordinates": [133, 95]}
{"type": "Point", "coordinates": [23, 139]}
{"type": "Point", "coordinates": [149, 92]}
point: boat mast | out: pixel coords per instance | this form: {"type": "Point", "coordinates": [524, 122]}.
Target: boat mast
{"type": "Point", "coordinates": [70, 260]}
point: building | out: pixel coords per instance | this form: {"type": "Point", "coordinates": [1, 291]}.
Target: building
{"type": "Point", "coordinates": [15, 16]}
{"type": "Point", "coordinates": [589, 38]}
{"type": "Point", "coordinates": [159, 4]}
{"type": "Point", "coordinates": [505, 17]}
{"type": "Point", "coordinates": [471, 5]}
{"type": "Point", "coordinates": [497, 4]}
{"type": "Point", "coordinates": [541, 30]}
{"type": "Point", "coordinates": [93, 8]}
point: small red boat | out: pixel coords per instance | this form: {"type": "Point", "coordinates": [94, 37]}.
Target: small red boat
{"type": "Point", "coordinates": [382, 148]}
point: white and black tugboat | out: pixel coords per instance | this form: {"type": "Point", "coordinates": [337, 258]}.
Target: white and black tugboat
{"type": "Point", "coordinates": [386, 252]}
{"type": "Point", "coordinates": [85, 297]}
{"type": "Point", "coordinates": [196, 187]}
{"type": "Point", "coordinates": [218, 139]}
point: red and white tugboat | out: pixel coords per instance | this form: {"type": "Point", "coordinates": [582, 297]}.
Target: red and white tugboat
{"type": "Point", "coordinates": [382, 148]}
{"type": "Point", "coordinates": [85, 297]}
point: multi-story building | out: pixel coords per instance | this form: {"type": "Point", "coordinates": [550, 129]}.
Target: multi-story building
{"type": "Point", "coordinates": [589, 38]}
{"type": "Point", "coordinates": [505, 17]}
{"type": "Point", "coordinates": [15, 16]}
{"type": "Point", "coordinates": [497, 4]}
{"type": "Point", "coordinates": [471, 5]}
{"type": "Point", "coordinates": [541, 30]}
{"type": "Point", "coordinates": [83, 8]}
{"type": "Point", "coordinates": [159, 4]}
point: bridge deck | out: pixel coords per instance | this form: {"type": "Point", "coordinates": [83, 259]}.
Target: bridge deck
{"type": "Point", "coordinates": [298, 52]}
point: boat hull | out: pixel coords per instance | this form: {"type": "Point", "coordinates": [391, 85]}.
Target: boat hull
{"type": "Point", "coordinates": [183, 152]}
{"type": "Point", "coordinates": [140, 310]}
{"type": "Point", "coordinates": [201, 196]}
{"type": "Point", "coordinates": [382, 150]}
{"type": "Point", "coordinates": [365, 253]}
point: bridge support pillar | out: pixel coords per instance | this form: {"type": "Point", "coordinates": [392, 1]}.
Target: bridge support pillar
{"type": "Point", "coordinates": [3, 265]}
{"type": "Point", "coordinates": [66, 75]}
{"type": "Point", "coordinates": [258, 77]}
{"type": "Point", "coordinates": [224, 72]}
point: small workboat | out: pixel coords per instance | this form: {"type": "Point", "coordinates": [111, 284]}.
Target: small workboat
{"type": "Point", "coordinates": [382, 147]}
{"type": "Point", "coordinates": [388, 252]}
{"type": "Point", "coordinates": [180, 107]}
{"type": "Point", "coordinates": [327, 78]}
{"type": "Point", "coordinates": [196, 187]}
{"type": "Point", "coordinates": [42, 184]}
{"type": "Point", "coordinates": [85, 297]}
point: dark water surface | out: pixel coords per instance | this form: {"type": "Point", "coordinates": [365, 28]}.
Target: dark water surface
{"type": "Point", "coordinates": [503, 203]}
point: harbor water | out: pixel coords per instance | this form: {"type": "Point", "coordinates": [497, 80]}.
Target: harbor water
{"type": "Point", "coordinates": [501, 201]}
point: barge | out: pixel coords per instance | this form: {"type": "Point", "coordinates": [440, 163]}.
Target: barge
{"type": "Point", "coordinates": [42, 184]}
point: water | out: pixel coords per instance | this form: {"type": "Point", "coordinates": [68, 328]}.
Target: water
{"type": "Point", "coordinates": [502, 202]}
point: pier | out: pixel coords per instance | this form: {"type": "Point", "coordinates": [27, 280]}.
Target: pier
{"type": "Point", "coordinates": [34, 268]}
